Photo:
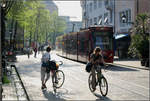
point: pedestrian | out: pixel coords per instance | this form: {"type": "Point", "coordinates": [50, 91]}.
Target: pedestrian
{"type": "Point", "coordinates": [45, 58]}
{"type": "Point", "coordinates": [35, 52]}
{"type": "Point", "coordinates": [96, 59]}
{"type": "Point", "coordinates": [39, 49]}
{"type": "Point", "coordinates": [28, 52]}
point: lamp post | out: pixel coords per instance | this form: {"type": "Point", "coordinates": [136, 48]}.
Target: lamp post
{"type": "Point", "coordinates": [124, 19]}
{"type": "Point", "coordinates": [2, 37]}
{"type": "Point", "coordinates": [5, 6]}
{"type": "Point", "coordinates": [73, 27]}
{"type": "Point", "coordinates": [114, 16]}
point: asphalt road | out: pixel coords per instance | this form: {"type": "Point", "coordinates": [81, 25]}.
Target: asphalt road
{"type": "Point", "coordinates": [125, 83]}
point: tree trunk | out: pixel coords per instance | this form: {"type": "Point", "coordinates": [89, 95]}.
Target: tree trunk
{"type": "Point", "coordinates": [14, 37]}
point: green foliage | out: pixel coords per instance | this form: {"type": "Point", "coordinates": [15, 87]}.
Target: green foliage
{"type": "Point", "coordinates": [5, 79]}
{"type": "Point", "coordinates": [143, 48]}
{"type": "Point", "coordinates": [36, 20]}
{"type": "Point", "coordinates": [140, 40]}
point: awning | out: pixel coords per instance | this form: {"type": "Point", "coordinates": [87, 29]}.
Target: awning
{"type": "Point", "coordinates": [121, 36]}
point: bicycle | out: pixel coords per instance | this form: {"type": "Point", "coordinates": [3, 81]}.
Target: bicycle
{"type": "Point", "coordinates": [58, 76]}
{"type": "Point", "coordinates": [100, 80]}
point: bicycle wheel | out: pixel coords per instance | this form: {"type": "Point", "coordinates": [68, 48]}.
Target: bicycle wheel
{"type": "Point", "coordinates": [58, 78]}
{"type": "Point", "coordinates": [103, 86]}
{"type": "Point", "coordinates": [90, 83]}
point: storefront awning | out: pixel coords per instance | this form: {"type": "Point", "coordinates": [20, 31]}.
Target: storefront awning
{"type": "Point", "coordinates": [121, 36]}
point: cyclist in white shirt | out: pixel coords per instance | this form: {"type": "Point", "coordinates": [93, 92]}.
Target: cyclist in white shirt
{"type": "Point", "coordinates": [45, 57]}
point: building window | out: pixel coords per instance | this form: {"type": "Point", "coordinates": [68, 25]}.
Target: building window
{"type": "Point", "coordinates": [95, 21]}
{"type": "Point", "coordinates": [127, 14]}
{"type": "Point", "coordinates": [90, 21]}
{"type": "Point", "coordinates": [87, 7]}
{"type": "Point", "coordinates": [122, 24]}
{"type": "Point", "coordinates": [100, 20]}
{"type": "Point", "coordinates": [95, 4]}
{"type": "Point", "coordinates": [106, 18]}
{"type": "Point", "coordinates": [91, 7]}
{"type": "Point", "coordinates": [111, 17]}
{"type": "Point", "coordinates": [99, 3]}
{"type": "Point", "coordinates": [106, 2]}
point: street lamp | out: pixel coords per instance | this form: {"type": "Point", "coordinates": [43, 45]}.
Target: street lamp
{"type": "Point", "coordinates": [124, 19]}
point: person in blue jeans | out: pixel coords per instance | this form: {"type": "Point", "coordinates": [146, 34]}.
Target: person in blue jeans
{"type": "Point", "coordinates": [45, 58]}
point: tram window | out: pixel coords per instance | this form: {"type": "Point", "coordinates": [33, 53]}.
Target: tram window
{"type": "Point", "coordinates": [81, 47]}
{"type": "Point", "coordinates": [103, 42]}
{"type": "Point", "coordinates": [74, 44]}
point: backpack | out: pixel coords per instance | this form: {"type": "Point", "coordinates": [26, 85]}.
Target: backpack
{"type": "Point", "coordinates": [88, 67]}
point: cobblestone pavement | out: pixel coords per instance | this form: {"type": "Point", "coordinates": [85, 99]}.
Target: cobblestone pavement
{"type": "Point", "coordinates": [9, 92]}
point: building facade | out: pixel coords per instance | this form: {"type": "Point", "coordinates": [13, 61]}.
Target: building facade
{"type": "Point", "coordinates": [108, 12]}
{"type": "Point", "coordinates": [95, 12]}
{"type": "Point", "coordinates": [142, 6]}
{"type": "Point", "coordinates": [71, 26]}
{"type": "Point", "coordinates": [124, 8]}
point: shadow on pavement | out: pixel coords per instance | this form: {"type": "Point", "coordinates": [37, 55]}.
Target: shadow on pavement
{"type": "Point", "coordinates": [101, 98]}
{"type": "Point", "coordinates": [51, 96]}
{"type": "Point", "coordinates": [61, 95]}
{"type": "Point", "coordinates": [119, 68]}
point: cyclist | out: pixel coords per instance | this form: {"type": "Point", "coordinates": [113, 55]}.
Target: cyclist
{"type": "Point", "coordinates": [96, 59]}
{"type": "Point", "coordinates": [45, 58]}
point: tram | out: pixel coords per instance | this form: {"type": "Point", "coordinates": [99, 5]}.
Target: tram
{"type": "Point", "coordinates": [79, 45]}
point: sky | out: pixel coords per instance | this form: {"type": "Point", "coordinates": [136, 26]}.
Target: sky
{"type": "Point", "coordinates": [70, 8]}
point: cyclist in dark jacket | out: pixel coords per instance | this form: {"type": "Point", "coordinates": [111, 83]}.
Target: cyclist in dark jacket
{"type": "Point", "coordinates": [96, 59]}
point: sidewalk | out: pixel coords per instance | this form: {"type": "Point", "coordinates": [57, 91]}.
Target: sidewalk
{"type": "Point", "coordinates": [9, 92]}
{"type": "Point", "coordinates": [130, 63]}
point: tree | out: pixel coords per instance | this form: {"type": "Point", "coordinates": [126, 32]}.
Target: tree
{"type": "Point", "coordinates": [140, 39]}
{"type": "Point", "coordinates": [38, 23]}
{"type": "Point", "coordinates": [58, 25]}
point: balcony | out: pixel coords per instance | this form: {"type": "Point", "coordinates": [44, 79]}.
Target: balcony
{"type": "Point", "coordinates": [109, 4]}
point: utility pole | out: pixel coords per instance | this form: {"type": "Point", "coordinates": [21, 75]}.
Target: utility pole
{"type": "Point", "coordinates": [137, 7]}
{"type": "Point", "coordinates": [85, 15]}
{"type": "Point", "coordinates": [73, 27]}
{"type": "Point", "coordinates": [114, 16]}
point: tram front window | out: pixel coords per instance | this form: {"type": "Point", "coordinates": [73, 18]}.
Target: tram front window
{"type": "Point", "coordinates": [103, 40]}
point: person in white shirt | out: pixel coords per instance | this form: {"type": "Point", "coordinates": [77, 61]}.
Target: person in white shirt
{"type": "Point", "coordinates": [45, 58]}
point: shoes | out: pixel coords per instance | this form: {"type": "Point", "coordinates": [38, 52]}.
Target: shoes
{"type": "Point", "coordinates": [93, 89]}
{"type": "Point", "coordinates": [43, 86]}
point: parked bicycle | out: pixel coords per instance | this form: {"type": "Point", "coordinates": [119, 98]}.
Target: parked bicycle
{"type": "Point", "coordinates": [100, 80]}
{"type": "Point", "coordinates": [58, 76]}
